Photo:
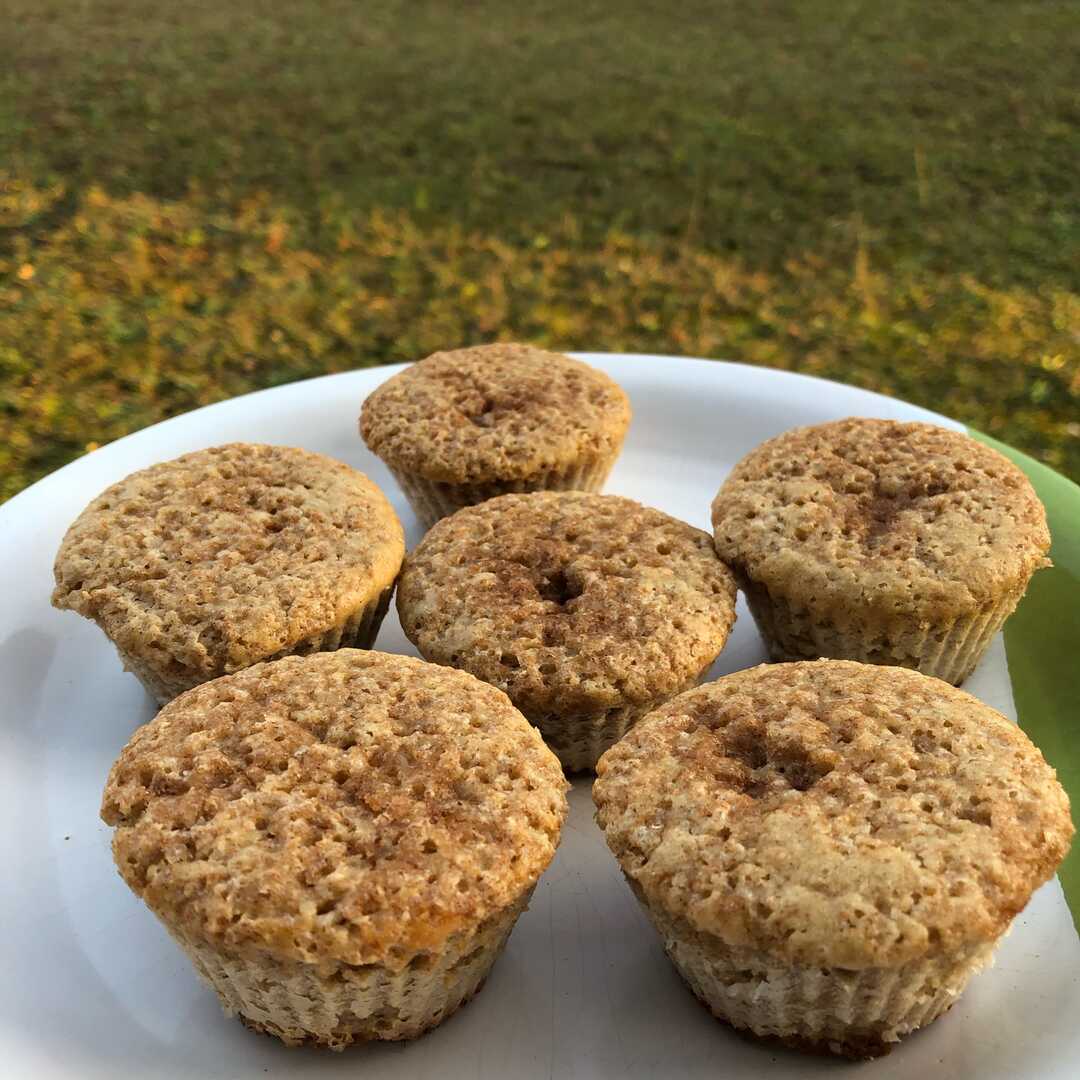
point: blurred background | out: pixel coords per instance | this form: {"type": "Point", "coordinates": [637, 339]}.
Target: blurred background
{"type": "Point", "coordinates": [204, 198]}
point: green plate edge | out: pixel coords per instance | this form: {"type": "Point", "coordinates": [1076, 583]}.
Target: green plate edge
{"type": "Point", "coordinates": [1042, 642]}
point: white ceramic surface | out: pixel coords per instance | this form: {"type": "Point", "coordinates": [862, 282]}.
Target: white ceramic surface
{"type": "Point", "coordinates": [92, 987]}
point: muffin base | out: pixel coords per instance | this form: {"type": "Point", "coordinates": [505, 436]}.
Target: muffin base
{"type": "Point", "coordinates": [856, 1014]}
{"type": "Point", "coordinates": [357, 631]}
{"type": "Point", "coordinates": [579, 741]}
{"type": "Point", "coordinates": [302, 1004]}
{"type": "Point", "coordinates": [945, 649]}
{"type": "Point", "coordinates": [853, 1048]}
{"type": "Point", "coordinates": [432, 500]}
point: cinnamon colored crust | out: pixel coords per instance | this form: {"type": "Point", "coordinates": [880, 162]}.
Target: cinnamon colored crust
{"type": "Point", "coordinates": [495, 413]}
{"type": "Point", "coordinates": [201, 566]}
{"type": "Point", "coordinates": [833, 814]}
{"type": "Point", "coordinates": [575, 604]}
{"type": "Point", "coordinates": [880, 516]}
{"type": "Point", "coordinates": [349, 807]}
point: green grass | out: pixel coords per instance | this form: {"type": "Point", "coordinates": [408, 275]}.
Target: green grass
{"type": "Point", "coordinates": [200, 199]}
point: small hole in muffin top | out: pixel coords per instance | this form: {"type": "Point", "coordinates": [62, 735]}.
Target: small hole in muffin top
{"type": "Point", "coordinates": [483, 417]}
{"type": "Point", "coordinates": [980, 815]}
{"type": "Point", "coordinates": [557, 588]}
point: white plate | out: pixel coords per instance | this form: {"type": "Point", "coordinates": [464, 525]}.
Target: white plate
{"type": "Point", "coordinates": [92, 987]}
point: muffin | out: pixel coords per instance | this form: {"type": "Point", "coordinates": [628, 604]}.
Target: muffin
{"type": "Point", "coordinates": [830, 850]}
{"type": "Point", "coordinates": [588, 610]}
{"type": "Point", "coordinates": [341, 843]}
{"type": "Point", "coordinates": [201, 566]}
{"type": "Point", "coordinates": [463, 426]}
{"type": "Point", "coordinates": [889, 543]}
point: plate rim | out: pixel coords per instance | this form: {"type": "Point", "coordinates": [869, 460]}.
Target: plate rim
{"type": "Point", "coordinates": [119, 446]}
{"type": "Point", "coordinates": [387, 370]}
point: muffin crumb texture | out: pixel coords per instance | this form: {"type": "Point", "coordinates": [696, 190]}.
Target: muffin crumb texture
{"type": "Point", "coordinates": [495, 413]}
{"type": "Point", "coordinates": [904, 517]}
{"type": "Point", "coordinates": [203, 565]}
{"type": "Point", "coordinates": [349, 808]}
{"type": "Point", "coordinates": [834, 815]}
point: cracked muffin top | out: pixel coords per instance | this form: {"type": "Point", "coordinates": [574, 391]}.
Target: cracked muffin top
{"type": "Point", "coordinates": [901, 515]}
{"type": "Point", "coordinates": [489, 412]}
{"type": "Point", "coordinates": [570, 602]}
{"type": "Point", "coordinates": [226, 556]}
{"type": "Point", "coordinates": [346, 807]}
{"type": "Point", "coordinates": [833, 813]}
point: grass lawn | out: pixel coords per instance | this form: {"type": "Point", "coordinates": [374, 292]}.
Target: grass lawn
{"type": "Point", "coordinates": [205, 198]}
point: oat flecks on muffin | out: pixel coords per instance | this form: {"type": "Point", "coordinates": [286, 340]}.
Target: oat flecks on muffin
{"type": "Point", "coordinates": [495, 413]}
{"type": "Point", "coordinates": [834, 814]}
{"type": "Point", "coordinates": [575, 604]}
{"type": "Point", "coordinates": [346, 808]}
{"type": "Point", "coordinates": [899, 516]}
{"type": "Point", "coordinates": [203, 565]}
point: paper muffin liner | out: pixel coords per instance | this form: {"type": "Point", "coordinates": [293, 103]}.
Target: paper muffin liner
{"type": "Point", "coordinates": [853, 1013]}
{"type": "Point", "coordinates": [579, 741]}
{"type": "Point", "coordinates": [946, 649]}
{"type": "Point", "coordinates": [432, 500]}
{"type": "Point", "coordinates": [357, 631]}
{"type": "Point", "coordinates": [339, 1004]}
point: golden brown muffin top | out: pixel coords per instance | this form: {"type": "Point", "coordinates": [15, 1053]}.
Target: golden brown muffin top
{"type": "Point", "coordinates": [494, 412]}
{"type": "Point", "coordinates": [226, 556]}
{"type": "Point", "coordinates": [346, 807]}
{"type": "Point", "coordinates": [833, 813]}
{"type": "Point", "coordinates": [570, 602]}
{"type": "Point", "coordinates": [906, 516]}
